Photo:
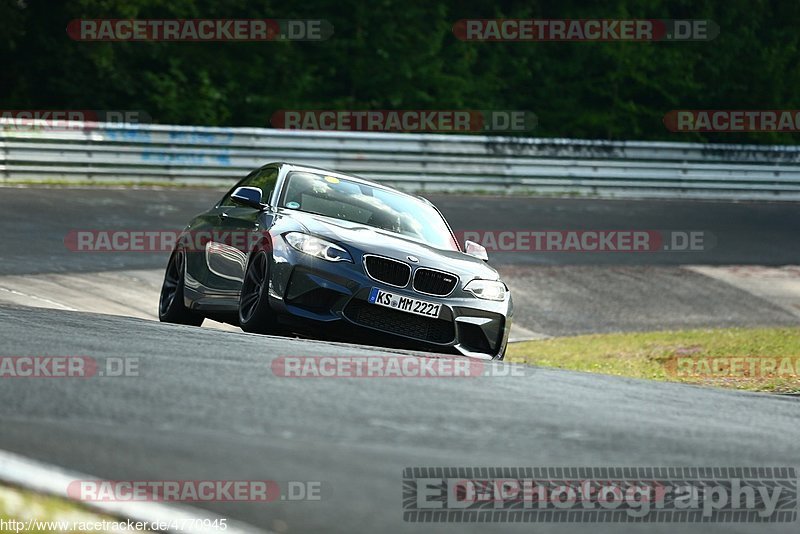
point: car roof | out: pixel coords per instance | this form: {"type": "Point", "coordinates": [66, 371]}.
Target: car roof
{"type": "Point", "coordinates": [351, 177]}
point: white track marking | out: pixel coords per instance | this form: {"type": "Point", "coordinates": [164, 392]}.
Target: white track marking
{"type": "Point", "coordinates": [53, 480]}
{"type": "Point", "coordinates": [23, 296]}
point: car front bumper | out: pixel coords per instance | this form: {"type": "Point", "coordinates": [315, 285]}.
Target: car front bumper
{"type": "Point", "coordinates": [307, 289]}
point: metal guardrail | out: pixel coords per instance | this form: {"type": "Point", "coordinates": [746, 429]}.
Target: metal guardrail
{"type": "Point", "coordinates": [422, 162]}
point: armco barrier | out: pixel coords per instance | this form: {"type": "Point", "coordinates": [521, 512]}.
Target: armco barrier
{"type": "Point", "coordinates": [421, 162]}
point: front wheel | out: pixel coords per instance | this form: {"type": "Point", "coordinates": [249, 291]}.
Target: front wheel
{"type": "Point", "coordinates": [255, 315]}
{"type": "Point", "coordinates": [171, 308]}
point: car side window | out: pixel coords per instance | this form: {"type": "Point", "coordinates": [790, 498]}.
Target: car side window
{"type": "Point", "coordinates": [226, 201]}
{"type": "Point", "coordinates": [264, 179]}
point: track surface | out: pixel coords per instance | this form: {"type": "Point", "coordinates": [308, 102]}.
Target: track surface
{"type": "Point", "coordinates": [556, 293]}
{"type": "Point", "coordinates": [33, 223]}
{"type": "Point", "coordinates": [207, 406]}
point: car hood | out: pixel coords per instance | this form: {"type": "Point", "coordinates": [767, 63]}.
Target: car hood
{"type": "Point", "coordinates": [370, 240]}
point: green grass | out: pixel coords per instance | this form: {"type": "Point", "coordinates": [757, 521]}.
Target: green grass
{"type": "Point", "coordinates": [668, 355]}
{"type": "Point", "coordinates": [22, 505]}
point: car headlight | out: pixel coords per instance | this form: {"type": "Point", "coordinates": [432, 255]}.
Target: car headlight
{"type": "Point", "coordinates": [487, 289]}
{"type": "Point", "coordinates": [319, 248]}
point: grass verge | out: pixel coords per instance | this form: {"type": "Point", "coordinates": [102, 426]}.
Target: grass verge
{"type": "Point", "coordinates": [29, 512]}
{"type": "Point", "coordinates": [754, 359]}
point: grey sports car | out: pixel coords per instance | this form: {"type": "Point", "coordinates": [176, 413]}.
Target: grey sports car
{"type": "Point", "coordinates": [292, 248]}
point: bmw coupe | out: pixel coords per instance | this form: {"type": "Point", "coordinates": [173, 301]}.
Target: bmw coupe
{"type": "Point", "coordinates": [292, 248]}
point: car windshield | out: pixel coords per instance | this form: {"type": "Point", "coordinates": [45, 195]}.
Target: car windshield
{"type": "Point", "coordinates": [372, 206]}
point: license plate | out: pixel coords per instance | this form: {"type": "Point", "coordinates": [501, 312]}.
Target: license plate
{"type": "Point", "coordinates": [406, 304]}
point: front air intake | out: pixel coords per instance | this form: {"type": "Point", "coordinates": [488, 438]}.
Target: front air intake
{"type": "Point", "coordinates": [386, 270]}
{"type": "Point", "coordinates": [437, 283]}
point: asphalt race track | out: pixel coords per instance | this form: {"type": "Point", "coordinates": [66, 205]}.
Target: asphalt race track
{"type": "Point", "coordinates": [35, 221]}
{"type": "Point", "coordinates": [207, 405]}
{"type": "Point", "coordinates": [556, 293]}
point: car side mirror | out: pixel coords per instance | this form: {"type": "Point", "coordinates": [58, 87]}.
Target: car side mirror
{"type": "Point", "coordinates": [248, 196]}
{"type": "Point", "coordinates": [474, 249]}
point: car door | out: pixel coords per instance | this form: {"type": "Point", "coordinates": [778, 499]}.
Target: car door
{"type": "Point", "coordinates": [233, 233]}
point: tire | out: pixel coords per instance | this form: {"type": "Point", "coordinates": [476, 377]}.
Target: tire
{"type": "Point", "coordinates": [255, 315]}
{"type": "Point", "coordinates": [171, 308]}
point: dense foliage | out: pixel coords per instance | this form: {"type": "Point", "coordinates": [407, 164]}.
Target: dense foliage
{"type": "Point", "coordinates": [400, 54]}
